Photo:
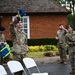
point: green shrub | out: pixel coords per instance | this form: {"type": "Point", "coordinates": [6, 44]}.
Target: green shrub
{"type": "Point", "coordinates": [48, 47]}
{"type": "Point", "coordinates": [42, 48]}
{"type": "Point", "coordinates": [33, 48]}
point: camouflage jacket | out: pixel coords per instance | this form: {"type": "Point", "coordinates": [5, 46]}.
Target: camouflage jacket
{"type": "Point", "coordinates": [61, 35]}
{"type": "Point", "coordinates": [19, 39]}
{"type": "Point", "coordinates": [70, 37]}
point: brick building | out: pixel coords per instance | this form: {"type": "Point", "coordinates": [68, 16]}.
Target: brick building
{"type": "Point", "coordinates": [41, 20]}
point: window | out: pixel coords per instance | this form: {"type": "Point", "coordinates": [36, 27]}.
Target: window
{"type": "Point", "coordinates": [25, 25]}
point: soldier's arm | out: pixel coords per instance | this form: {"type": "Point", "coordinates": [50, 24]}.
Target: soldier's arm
{"type": "Point", "coordinates": [65, 31]}
{"type": "Point", "coordinates": [3, 37]}
{"type": "Point", "coordinates": [3, 40]}
{"type": "Point", "coordinates": [12, 30]}
{"type": "Point", "coordinates": [57, 35]}
{"type": "Point", "coordinates": [68, 39]}
{"type": "Point", "coordinates": [26, 43]}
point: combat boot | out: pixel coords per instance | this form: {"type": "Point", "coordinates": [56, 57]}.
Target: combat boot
{"type": "Point", "coordinates": [65, 63]}
{"type": "Point", "coordinates": [4, 64]}
{"type": "Point", "coordinates": [72, 71]}
{"type": "Point", "coordinates": [60, 61]}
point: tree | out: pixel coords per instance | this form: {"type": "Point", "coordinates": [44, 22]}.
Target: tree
{"type": "Point", "coordinates": [66, 2]}
{"type": "Point", "coordinates": [58, 0]}
{"type": "Point", "coordinates": [72, 4]}
{"type": "Point", "coordinates": [71, 17]}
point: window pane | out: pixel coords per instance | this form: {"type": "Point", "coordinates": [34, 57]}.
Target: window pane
{"type": "Point", "coordinates": [25, 20]}
{"type": "Point", "coordinates": [25, 30]}
{"type": "Point", "coordinates": [25, 25]}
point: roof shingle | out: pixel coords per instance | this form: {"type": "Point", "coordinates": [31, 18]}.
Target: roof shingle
{"type": "Point", "coordinates": [30, 6]}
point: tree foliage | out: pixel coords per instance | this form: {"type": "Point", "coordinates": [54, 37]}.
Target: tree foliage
{"type": "Point", "coordinates": [71, 17]}
{"type": "Point", "coordinates": [65, 0]}
{"type": "Point", "coordinates": [58, 0]}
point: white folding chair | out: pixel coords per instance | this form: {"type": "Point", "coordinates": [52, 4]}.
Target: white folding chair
{"type": "Point", "coordinates": [15, 66]}
{"type": "Point", "coordinates": [30, 63]}
{"type": "Point", "coordinates": [2, 70]}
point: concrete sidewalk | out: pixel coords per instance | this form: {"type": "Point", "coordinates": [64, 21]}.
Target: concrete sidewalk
{"type": "Point", "coordinates": [47, 60]}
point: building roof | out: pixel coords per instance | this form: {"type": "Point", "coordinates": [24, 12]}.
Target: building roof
{"type": "Point", "coordinates": [31, 6]}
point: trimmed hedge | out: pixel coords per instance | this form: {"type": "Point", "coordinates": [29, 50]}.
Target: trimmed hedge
{"type": "Point", "coordinates": [43, 41]}
{"type": "Point", "coordinates": [10, 43]}
{"type": "Point", "coordinates": [33, 42]}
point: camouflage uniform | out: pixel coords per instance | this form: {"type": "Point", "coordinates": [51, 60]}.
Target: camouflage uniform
{"type": "Point", "coordinates": [70, 39]}
{"type": "Point", "coordinates": [19, 42]}
{"type": "Point", "coordinates": [62, 44]}
{"type": "Point", "coordinates": [2, 39]}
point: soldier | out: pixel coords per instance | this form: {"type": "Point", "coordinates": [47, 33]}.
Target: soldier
{"type": "Point", "coordinates": [2, 37]}
{"type": "Point", "coordinates": [19, 39]}
{"type": "Point", "coordinates": [70, 39]}
{"type": "Point", "coordinates": [2, 40]}
{"type": "Point", "coordinates": [5, 50]}
{"type": "Point", "coordinates": [60, 36]}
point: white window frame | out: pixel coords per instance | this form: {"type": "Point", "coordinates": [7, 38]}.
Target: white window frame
{"type": "Point", "coordinates": [28, 25]}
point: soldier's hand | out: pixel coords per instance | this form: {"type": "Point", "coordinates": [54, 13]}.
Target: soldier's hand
{"type": "Point", "coordinates": [63, 27]}
{"type": "Point", "coordinates": [73, 42]}
{"type": "Point", "coordinates": [5, 43]}
{"type": "Point", "coordinates": [16, 15]}
{"type": "Point", "coordinates": [56, 38]}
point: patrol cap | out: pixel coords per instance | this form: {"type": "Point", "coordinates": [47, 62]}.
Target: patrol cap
{"type": "Point", "coordinates": [2, 28]}
{"type": "Point", "coordinates": [69, 26]}
{"type": "Point", "coordinates": [60, 24]}
{"type": "Point", "coordinates": [21, 13]}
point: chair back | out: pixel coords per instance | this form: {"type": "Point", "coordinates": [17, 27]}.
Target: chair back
{"type": "Point", "coordinates": [29, 62]}
{"type": "Point", "coordinates": [2, 70]}
{"type": "Point", "coordinates": [15, 66]}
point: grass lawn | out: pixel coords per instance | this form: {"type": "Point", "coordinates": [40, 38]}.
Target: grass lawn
{"type": "Point", "coordinates": [35, 54]}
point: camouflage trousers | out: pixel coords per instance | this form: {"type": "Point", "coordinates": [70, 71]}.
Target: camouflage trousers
{"type": "Point", "coordinates": [72, 55]}
{"type": "Point", "coordinates": [4, 60]}
{"type": "Point", "coordinates": [62, 52]}
{"type": "Point", "coordinates": [19, 57]}
{"type": "Point", "coordinates": [1, 60]}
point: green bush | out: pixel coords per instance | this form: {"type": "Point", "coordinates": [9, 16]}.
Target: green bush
{"type": "Point", "coordinates": [38, 48]}
{"type": "Point", "coordinates": [42, 48]}
{"type": "Point", "coordinates": [33, 48]}
{"type": "Point", "coordinates": [48, 47]}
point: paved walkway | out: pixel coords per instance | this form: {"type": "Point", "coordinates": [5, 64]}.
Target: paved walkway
{"type": "Point", "coordinates": [47, 60]}
{"type": "Point", "coordinates": [50, 65]}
